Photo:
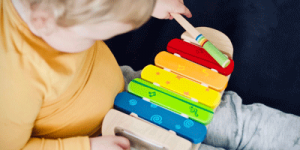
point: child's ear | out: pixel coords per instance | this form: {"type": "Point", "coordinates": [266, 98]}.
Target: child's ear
{"type": "Point", "coordinates": [43, 21]}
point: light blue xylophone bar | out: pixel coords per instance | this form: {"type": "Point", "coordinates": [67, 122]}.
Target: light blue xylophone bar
{"type": "Point", "coordinates": [186, 128]}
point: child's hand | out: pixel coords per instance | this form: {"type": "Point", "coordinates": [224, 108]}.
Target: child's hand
{"type": "Point", "coordinates": [109, 143]}
{"type": "Point", "coordinates": [163, 8]}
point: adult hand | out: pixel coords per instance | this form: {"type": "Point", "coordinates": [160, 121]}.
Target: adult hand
{"type": "Point", "coordinates": [163, 8]}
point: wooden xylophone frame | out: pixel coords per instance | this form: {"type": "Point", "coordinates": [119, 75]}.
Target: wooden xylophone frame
{"type": "Point", "coordinates": [152, 136]}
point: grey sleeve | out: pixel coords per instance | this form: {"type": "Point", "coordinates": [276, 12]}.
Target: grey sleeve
{"type": "Point", "coordinates": [238, 126]}
{"type": "Point", "coordinates": [129, 74]}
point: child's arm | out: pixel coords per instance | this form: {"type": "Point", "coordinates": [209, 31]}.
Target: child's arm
{"type": "Point", "coordinates": [20, 103]}
{"type": "Point", "coordinates": [19, 107]}
{"type": "Point", "coordinates": [18, 112]}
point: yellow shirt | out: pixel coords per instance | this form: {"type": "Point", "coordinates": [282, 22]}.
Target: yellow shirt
{"type": "Point", "coordinates": [49, 99]}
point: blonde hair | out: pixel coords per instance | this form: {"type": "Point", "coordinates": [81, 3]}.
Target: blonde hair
{"type": "Point", "coordinates": [71, 12]}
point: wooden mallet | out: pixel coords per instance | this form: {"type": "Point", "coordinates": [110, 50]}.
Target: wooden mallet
{"type": "Point", "coordinates": [203, 42]}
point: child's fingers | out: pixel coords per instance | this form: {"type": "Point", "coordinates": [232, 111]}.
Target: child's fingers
{"type": "Point", "coordinates": [163, 8]}
{"type": "Point", "coordinates": [181, 9]}
{"type": "Point", "coordinates": [122, 142]}
{"type": "Point", "coordinates": [187, 13]}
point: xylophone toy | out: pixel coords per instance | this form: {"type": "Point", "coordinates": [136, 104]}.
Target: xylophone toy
{"type": "Point", "coordinates": [169, 107]}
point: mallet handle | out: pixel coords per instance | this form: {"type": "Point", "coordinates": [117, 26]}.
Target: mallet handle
{"type": "Point", "coordinates": [186, 25]}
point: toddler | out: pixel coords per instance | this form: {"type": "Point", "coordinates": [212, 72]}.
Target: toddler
{"type": "Point", "coordinates": [58, 79]}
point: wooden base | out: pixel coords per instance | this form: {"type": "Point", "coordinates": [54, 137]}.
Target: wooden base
{"type": "Point", "coordinates": [142, 134]}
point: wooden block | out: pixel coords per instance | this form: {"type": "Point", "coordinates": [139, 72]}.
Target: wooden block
{"type": "Point", "coordinates": [191, 70]}
{"type": "Point", "coordinates": [142, 134]}
{"type": "Point", "coordinates": [182, 86]}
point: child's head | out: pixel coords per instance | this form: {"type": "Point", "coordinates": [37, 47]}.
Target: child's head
{"type": "Point", "coordinates": [85, 20]}
{"type": "Point", "coordinates": [73, 12]}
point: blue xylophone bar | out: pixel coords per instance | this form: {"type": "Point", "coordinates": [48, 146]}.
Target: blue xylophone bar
{"type": "Point", "coordinates": [186, 128]}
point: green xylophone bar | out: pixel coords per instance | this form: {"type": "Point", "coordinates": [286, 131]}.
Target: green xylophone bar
{"type": "Point", "coordinates": [171, 101]}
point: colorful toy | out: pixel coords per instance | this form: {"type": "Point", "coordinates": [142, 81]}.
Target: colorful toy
{"type": "Point", "coordinates": [159, 104]}
{"type": "Point", "coordinates": [202, 41]}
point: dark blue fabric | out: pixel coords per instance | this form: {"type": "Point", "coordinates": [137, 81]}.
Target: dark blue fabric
{"type": "Point", "coordinates": [266, 39]}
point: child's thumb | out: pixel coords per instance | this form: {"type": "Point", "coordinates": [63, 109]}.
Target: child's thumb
{"type": "Point", "coordinates": [122, 142]}
{"type": "Point", "coordinates": [182, 9]}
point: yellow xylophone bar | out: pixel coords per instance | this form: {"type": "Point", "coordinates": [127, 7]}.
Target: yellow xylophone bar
{"type": "Point", "coordinates": [181, 85]}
